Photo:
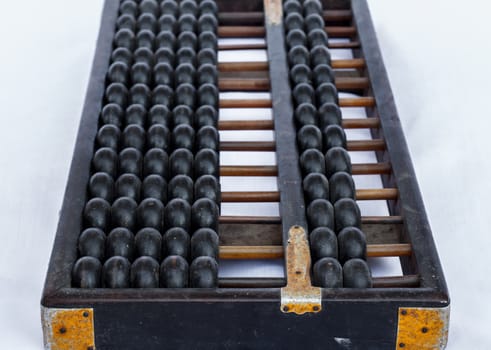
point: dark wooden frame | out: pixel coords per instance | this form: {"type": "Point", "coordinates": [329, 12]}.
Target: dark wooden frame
{"type": "Point", "coordinates": [243, 318]}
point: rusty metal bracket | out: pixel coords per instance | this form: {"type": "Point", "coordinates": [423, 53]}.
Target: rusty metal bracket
{"type": "Point", "coordinates": [65, 329]}
{"type": "Point", "coordinates": [423, 328]}
{"type": "Point", "coordinates": [299, 296]}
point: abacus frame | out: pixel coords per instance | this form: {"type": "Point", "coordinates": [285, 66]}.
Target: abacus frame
{"type": "Point", "coordinates": [251, 316]}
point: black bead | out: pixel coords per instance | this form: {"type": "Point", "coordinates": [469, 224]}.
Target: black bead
{"type": "Point", "coordinates": [102, 185]}
{"type": "Point", "coordinates": [337, 159]}
{"type": "Point", "coordinates": [347, 213]}
{"type": "Point", "coordinates": [159, 114]}
{"type": "Point", "coordinates": [312, 6]}
{"type": "Point", "coordinates": [181, 162]}
{"type": "Point", "coordinates": [86, 273]}
{"type": "Point", "coordinates": [204, 273]}
{"type": "Point", "coordinates": [183, 137]}
{"type": "Point", "coordinates": [174, 272]}
{"type": "Point", "coordinates": [356, 274]}
{"type": "Point", "coordinates": [204, 242]}
{"type": "Point", "coordinates": [323, 73]}
{"type": "Point", "coordinates": [140, 94]}
{"type": "Point", "coordinates": [208, 40]}
{"type": "Point", "coordinates": [163, 74]}
{"type": "Point", "coordinates": [144, 55]}
{"type": "Point", "coordinates": [185, 74]}
{"type": "Point", "coordinates": [315, 186]}
{"type": "Point", "coordinates": [108, 136]}
{"type": "Point", "coordinates": [303, 93]}
{"type": "Point", "coordinates": [204, 214]}
{"type": "Point", "coordinates": [317, 37]}
{"type": "Point", "coordinates": [186, 95]}
{"type": "Point", "coordinates": [333, 136]}
{"type": "Point", "coordinates": [187, 23]}
{"type": "Point", "coordinates": [148, 242]}
{"type": "Point", "coordinates": [136, 114]}
{"type": "Point", "coordinates": [312, 161]}
{"type": "Point", "coordinates": [207, 56]}
{"type": "Point", "coordinates": [328, 273]}
{"type": "Point", "coordinates": [183, 114]}
{"type": "Point", "coordinates": [300, 73]}
{"type": "Point", "coordinates": [158, 136]}
{"type": "Point", "coordinates": [207, 23]}
{"type": "Point", "coordinates": [141, 73]}
{"type": "Point", "coordinates": [298, 55]}
{"type": "Point", "coordinates": [123, 213]}
{"type": "Point", "coordinates": [118, 72]}
{"type": "Point", "coordinates": [92, 243]}
{"type": "Point", "coordinates": [187, 39]}
{"type": "Point", "coordinates": [329, 114]}
{"type": "Point", "coordinates": [296, 37]}
{"type": "Point", "coordinates": [145, 38]}
{"type": "Point", "coordinates": [163, 95]}
{"type": "Point", "coordinates": [327, 93]}
{"type": "Point", "coordinates": [341, 185]}
{"type": "Point", "coordinates": [292, 6]}
{"type": "Point", "coordinates": [130, 161]}
{"type": "Point", "coordinates": [154, 186]}
{"type": "Point", "coordinates": [117, 93]}
{"type": "Point", "coordinates": [169, 7]}
{"type": "Point", "coordinates": [128, 185]}
{"type": "Point", "coordinates": [188, 7]}
{"type": "Point", "coordinates": [176, 241]}
{"type": "Point", "coordinates": [116, 273]}
{"type": "Point", "coordinates": [181, 186]}
{"type": "Point", "coordinates": [134, 136]}
{"type": "Point", "coordinates": [323, 243]}
{"type": "Point", "coordinates": [150, 213]}
{"type": "Point", "coordinates": [147, 21]}
{"type": "Point", "coordinates": [294, 20]}
{"type": "Point", "coordinates": [165, 55]}
{"type": "Point", "coordinates": [352, 244]}
{"type": "Point", "coordinates": [177, 213]}
{"type": "Point", "coordinates": [105, 160]}
{"type": "Point", "coordinates": [320, 213]}
{"type": "Point", "coordinates": [206, 162]}
{"type": "Point", "coordinates": [208, 137]}
{"type": "Point", "coordinates": [309, 136]}
{"type": "Point", "coordinates": [122, 54]}
{"type": "Point", "coordinates": [125, 38]}
{"type": "Point", "coordinates": [208, 95]}
{"type": "Point", "coordinates": [164, 39]}
{"type": "Point", "coordinates": [208, 6]}
{"type": "Point", "coordinates": [112, 113]}
{"type": "Point", "coordinates": [156, 162]}
{"type": "Point", "coordinates": [145, 273]}
{"type": "Point", "coordinates": [149, 6]}
{"type": "Point", "coordinates": [306, 114]}
{"type": "Point", "coordinates": [206, 115]}
{"type": "Point", "coordinates": [207, 74]}
{"type": "Point", "coordinates": [314, 21]}
{"type": "Point", "coordinates": [207, 186]}
{"type": "Point", "coordinates": [120, 242]}
{"type": "Point", "coordinates": [167, 23]}
{"type": "Point", "coordinates": [320, 55]}
{"type": "Point", "coordinates": [128, 7]}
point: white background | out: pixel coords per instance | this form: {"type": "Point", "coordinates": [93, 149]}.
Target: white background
{"type": "Point", "coordinates": [437, 55]}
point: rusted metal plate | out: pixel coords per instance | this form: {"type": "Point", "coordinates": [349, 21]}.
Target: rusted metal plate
{"type": "Point", "coordinates": [68, 329]}
{"type": "Point", "coordinates": [422, 328]}
{"type": "Point", "coordinates": [299, 296]}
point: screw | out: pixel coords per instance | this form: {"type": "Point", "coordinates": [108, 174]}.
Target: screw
{"type": "Point", "coordinates": [401, 345]}
{"type": "Point", "coordinates": [298, 272]}
{"type": "Point", "coordinates": [62, 330]}
{"type": "Point", "coordinates": [424, 330]}
{"type": "Point", "coordinates": [85, 314]}
{"type": "Point", "coordinates": [285, 308]}
{"type": "Point", "coordinates": [316, 308]}
{"type": "Point", "coordinates": [403, 312]}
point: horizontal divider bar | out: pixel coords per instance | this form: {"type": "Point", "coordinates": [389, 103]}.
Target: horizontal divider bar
{"type": "Point", "coordinates": [274, 196]}
{"type": "Point", "coordinates": [272, 170]}
{"type": "Point", "coordinates": [359, 123]}
{"type": "Point", "coordinates": [250, 17]}
{"type": "Point", "coordinates": [270, 146]}
{"type": "Point", "coordinates": [365, 101]}
{"type": "Point", "coordinates": [355, 63]}
{"type": "Point", "coordinates": [277, 220]}
{"type": "Point", "coordinates": [260, 31]}
{"type": "Point", "coordinates": [408, 281]}
{"type": "Point", "coordinates": [277, 251]}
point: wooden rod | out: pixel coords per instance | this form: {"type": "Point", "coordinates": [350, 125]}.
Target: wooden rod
{"type": "Point", "coordinates": [352, 83]}
{"type": "Point", "coordinates": [246, 146]}
{"type": "Point", "coordinates": [271, 170]}
{"type": "Point", "coordinates": [266, 103]}
{"type": "Point", "coordinates": [377, 194]}
{"type": "Point", "coordinates": [259, 31]}
{"type": "Point", "coordinates": [408, 281]}
{"type": "Point", "coordinates": [241, 46]}
{"type": "Point", "coordinates": [274, 196]}
{"type": "Point", "coordinates": [348, 45]}
{"type": "Point", "coordinates": [358, 123]}
{"type": "Point", "coordinates": [257, 17]}
{"type": "Point", "coordinates": [277, 251]}
{"type": "Point", "coordinates": [367, 220]}
{"type": "Point", "coordinates": [366, 145]}
{"type": "Point", "coordinates": [248, 170]}
{"type": "Point", "coordinates": [354, 63]}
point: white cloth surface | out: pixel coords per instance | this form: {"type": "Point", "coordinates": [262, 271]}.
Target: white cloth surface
{"type": "Point", "coordinates": [436, 53]}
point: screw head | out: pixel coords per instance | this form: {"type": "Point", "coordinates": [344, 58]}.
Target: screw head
{"type": "Point", "coordinates": [401, 345]}
{"type": "Point", "coordinates": [62, 330]}
{"type": "Point", "coordinates": [424, 330]}
{"type": "Point", "coordinates": [85, 314]}
{"type": "Point", "coordinates": [286, 308]}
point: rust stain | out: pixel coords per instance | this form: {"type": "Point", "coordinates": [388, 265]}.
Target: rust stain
{"type": "Point", "coordinates": [299, 296]}
{"type": "Point", "coordinates": [68, 329]}
{"type": "Point", "coordinates": [422, 328]}
{"type": "Point", "coordinates": [273, 10]}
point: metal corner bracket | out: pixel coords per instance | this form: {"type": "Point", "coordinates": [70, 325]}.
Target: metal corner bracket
{"type": "Point", "coordinates": [299, 296]}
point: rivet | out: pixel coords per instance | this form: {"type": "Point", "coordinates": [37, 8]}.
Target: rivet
{"type": "Point", "coordinates": [298, 272]}
{"type": "Point", "coordinates": [285, 308]}
{"type": "Point", "coordinates": [85, 314]}
{"type": "Point", "coordinates": [403, 312]}
{"type": "Point", "coordinates": [401, 345]}
{"type": "Point", "coordinates": [315, 308]}
{"type": "Point", "coordinates": [424, 330]}
{"type": "Point", "coordinates": [62, 330]}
